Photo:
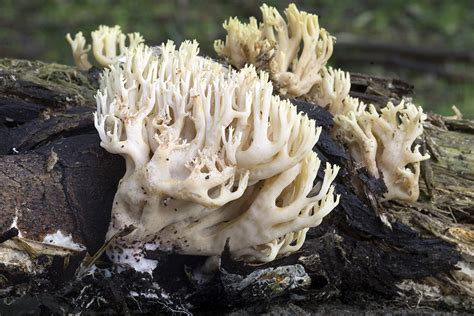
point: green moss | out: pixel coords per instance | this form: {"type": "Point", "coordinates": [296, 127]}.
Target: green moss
{"type": "Point", "coordinates": [68, 84]}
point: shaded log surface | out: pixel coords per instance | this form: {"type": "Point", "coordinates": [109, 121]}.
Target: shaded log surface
{"type": "Point", "coordinates": [352, 257]}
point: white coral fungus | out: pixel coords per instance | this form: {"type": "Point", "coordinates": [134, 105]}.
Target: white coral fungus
{"type": "Point", "coordinates": [211, 154]}
{"type": "Point", "coordinates": [385, 143]}
{"type": "Point", "coordinates": [295, 53]}
{"type": "Point", "coordinates": [108, 44]}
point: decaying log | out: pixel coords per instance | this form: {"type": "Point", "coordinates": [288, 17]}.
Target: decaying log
{"type": "Point", "coordinates": [54, 176]}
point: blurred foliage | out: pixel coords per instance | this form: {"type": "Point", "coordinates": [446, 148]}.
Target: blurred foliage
{"type": "Point", "coordinates": [36, 29]}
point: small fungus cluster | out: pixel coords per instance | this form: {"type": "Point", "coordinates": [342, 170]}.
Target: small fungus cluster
{"type": "Point", "coordinates": [108, 44]}
{"type": "Point", "coordinates": [295, 54]}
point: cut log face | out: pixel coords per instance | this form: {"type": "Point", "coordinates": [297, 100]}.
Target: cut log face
{"type": "Point", "coordinates": [54, 177]}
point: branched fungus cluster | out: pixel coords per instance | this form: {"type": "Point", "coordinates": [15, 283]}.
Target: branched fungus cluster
{"type": "Point", "coordinates": [211, 155]}
{"type": "Point", "coordinates": [295, 54]}
{"type": "Point", "coordinates": [108, 44]}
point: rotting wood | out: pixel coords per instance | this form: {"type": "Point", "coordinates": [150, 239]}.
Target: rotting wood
{"type": "Point", "coordinates": [352, 256]}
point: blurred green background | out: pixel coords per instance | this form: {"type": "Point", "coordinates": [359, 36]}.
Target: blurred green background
{"type": "Point", "coordinates": [428, 43]}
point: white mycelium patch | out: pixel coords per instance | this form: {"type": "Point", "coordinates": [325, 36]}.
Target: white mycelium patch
{"type": "Point", "coordinates": [62, 240]}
